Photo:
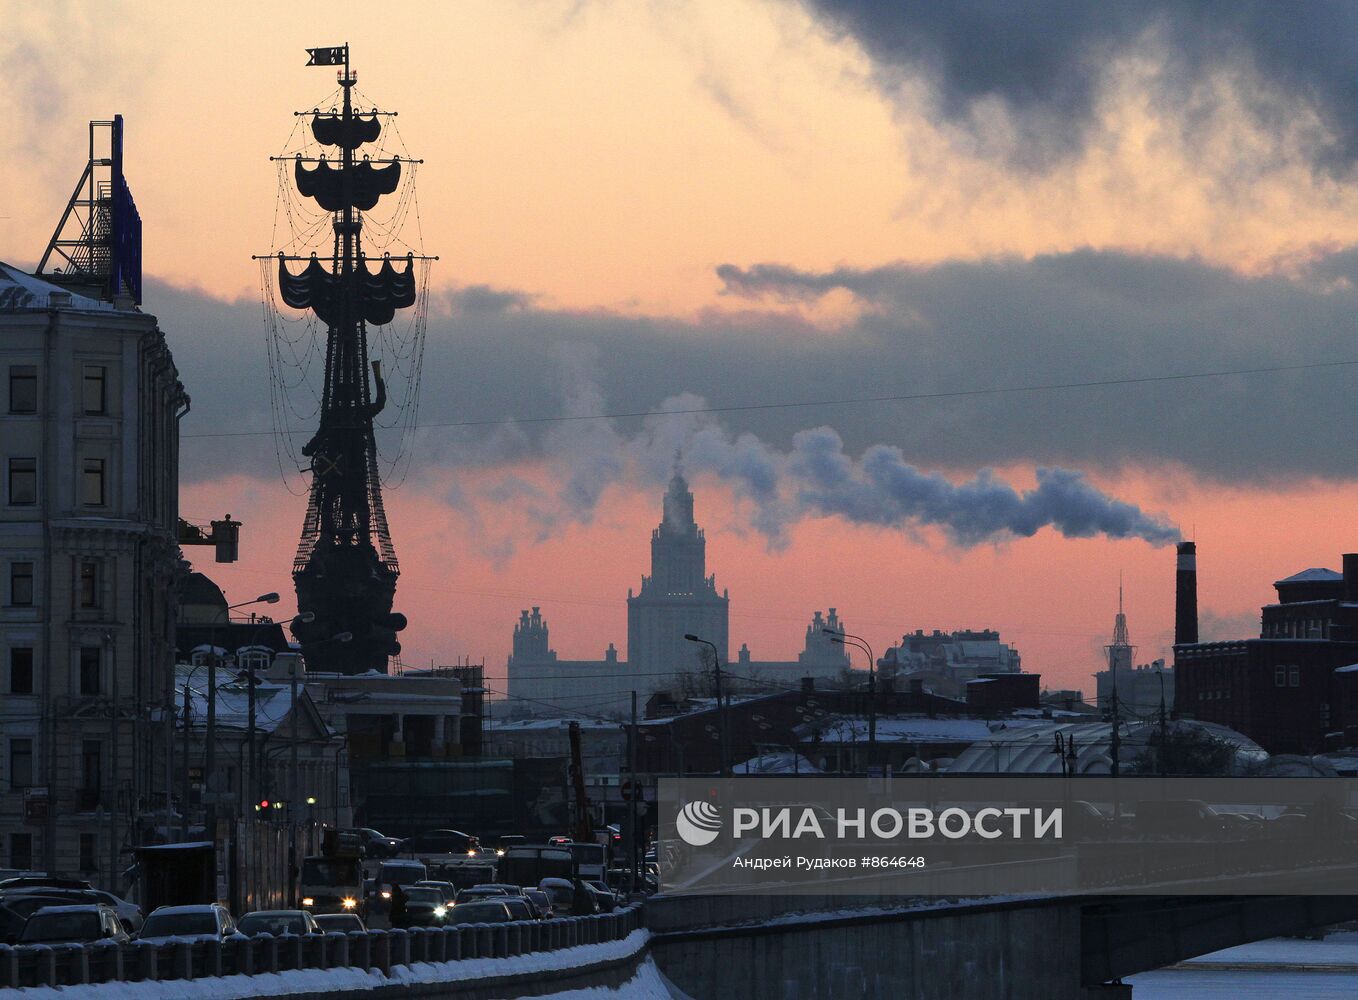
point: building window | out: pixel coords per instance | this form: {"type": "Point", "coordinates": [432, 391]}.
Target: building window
{"type": "Point", "coordinates": [21, 584]}
{"type": "Point", "coordinates": [21, 851]}
{"type": "Point", "coordinates": [92, 483]}
{"type": "Point", "coordinates": [91, 594]}
{"type": "Point", "coordinates": [1280, 677]}
{"type": "Point", "coordinates": [91, 770]}
{"type": "Point", "coordinates": [20, 764]}
{"type": "Point", "coordinates": [23, 482]}
{"type": "Point", "coordinates": [94, 395]}
{"type": "Point", "coordinates": [23, 388]}
{"type": "Point", "coordinates": [21, 670]}
{"type": "Point", "coordinates": [1294, 677]}
{"type": "Point", "coordinates": [91, 662]}
{"type": "Point", "coordinates": [89, 847]}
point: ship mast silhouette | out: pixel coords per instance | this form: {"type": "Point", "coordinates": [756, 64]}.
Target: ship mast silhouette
{"type": "Point", "coordinates": [345, 568]}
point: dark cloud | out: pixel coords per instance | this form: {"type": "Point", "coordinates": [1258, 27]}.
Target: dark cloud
{"type": "Point", "coordinates": [990, 325]}
{"type": "Point", "coordinates": [1045, 60]}
{"type": "Point", "coordinates": [485, 299]}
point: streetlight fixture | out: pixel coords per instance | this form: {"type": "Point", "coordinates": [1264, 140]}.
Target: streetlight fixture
{"type": "Point", "coordinates": [858, 642]}
{"type": "Point", "coordinates": [721, 706]}
{"type": "Point", "coordinates": [210, 754]}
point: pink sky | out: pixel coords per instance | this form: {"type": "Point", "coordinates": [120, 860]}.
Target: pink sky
{"type": "Point", "coordinates": [606, 158]}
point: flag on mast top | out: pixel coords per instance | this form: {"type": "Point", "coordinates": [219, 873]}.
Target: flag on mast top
{"type": "Point", "coordinates": [335, 55]}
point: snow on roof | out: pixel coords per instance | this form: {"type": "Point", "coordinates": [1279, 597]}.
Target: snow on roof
{"type": "Point", "coordinates": [1029, 750]}
{"type": "Point", "coordinates": [776, 763]}
{"type": "Point", "coordinates": [20, 290]}
{"type": "Point", "coordinates": [1316, 574]}
{"type": "Point", "coordinates": [921, 730]}
{"type": "Point", "coordinates": [273, 701]}
{"type": "Point", "coordinates": [1352, 668]}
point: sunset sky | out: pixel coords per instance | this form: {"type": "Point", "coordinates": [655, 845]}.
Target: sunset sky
{"type": "Point", "coordinates": [681, 206]}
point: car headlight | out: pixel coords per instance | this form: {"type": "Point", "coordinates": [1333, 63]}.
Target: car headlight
{"type": "Point", "coordinates": [440, 911]}
{"type": "Point", "coordinates": [348, 902]}
{"type": "Point", "coordinates": [386, 894]}
{"type": "Point", "coordinates": [471, 854]}
{"type": "Point", "coordinates": [499, 852]}
{"type": "Point", "coordinates": [308, 901]}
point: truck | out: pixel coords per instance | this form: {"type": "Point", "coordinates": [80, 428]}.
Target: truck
{"type": "Point", "coordinates": [530, 864]}
{"type": "Point", "coordinates": [332, 884]}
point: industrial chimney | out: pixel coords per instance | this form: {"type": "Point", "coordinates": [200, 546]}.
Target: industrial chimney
{"type": "Point", "coordinates": [1186, 595]}
{"type": "Point", "coordinates": [1351, 576]}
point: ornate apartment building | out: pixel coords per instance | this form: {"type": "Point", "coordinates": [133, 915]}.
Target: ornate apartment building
{"type": "Point", "coordinates": [90, 402]}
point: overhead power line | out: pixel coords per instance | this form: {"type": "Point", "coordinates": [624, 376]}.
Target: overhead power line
{"type": "Point", "coordinates": [848, 401]}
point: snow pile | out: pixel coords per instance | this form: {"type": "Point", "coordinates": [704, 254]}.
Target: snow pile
{"type": "Point", "coordinates": [273, 984]}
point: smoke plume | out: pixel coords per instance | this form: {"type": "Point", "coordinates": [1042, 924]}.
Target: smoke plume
{"type": "Point", "coordinates": [815, 477]}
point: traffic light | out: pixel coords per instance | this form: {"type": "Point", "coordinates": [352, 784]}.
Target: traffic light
{"type": "Point", "coordinates": [262, 805]}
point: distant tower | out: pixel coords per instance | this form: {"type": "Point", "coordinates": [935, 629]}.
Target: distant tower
{"type": "Point", "coordinates": [678, 596]}
{"type": "Point", "coordinates": [531, 644]}
{"type": "Point", "coordinates": [1120, 650]}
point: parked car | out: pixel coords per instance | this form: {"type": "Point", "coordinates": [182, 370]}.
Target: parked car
{"type": "Point", "coordinates": [29, 903]}
{"type": "Point", "coordinates": [73, 923]}
{"type": "Point", "coordinates": [441, 842]}
{"type": "Point", "coordinates": [373, 844]}
{"type": "Point", "coordinates": [277, 922]}
{"type": "Point", "coordinates": [425, 906]}
{"type": "Point", "coordinates": [484, 911]}
{"type": "Point", "coordinates": [478, 892]}
{"type": "Point", "coordinates": [50, 881]}
{"type": "Point", "coordinates": [603, 895]}
{"type": "Point", "coordinates": [541, 901]}
{"type": "Point", "coordinates": [341, 923]}
{"type": "Point", "coordinates": [447, 888]}
{"type": "Point", "coordinates": [519, 907]}
{"type": "Point", "coordinates": [200, 920]}
{"type": "Point", "coordinates": [128, 913]}
{"type": "Point", "coordinates": [11, 925]}
{"type": "Point", "coordinates": [505, 887]}
{"type": "Point", "coordinates": [512, 840]}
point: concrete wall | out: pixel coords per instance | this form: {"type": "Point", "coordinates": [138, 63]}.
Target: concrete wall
{"type": "Point", "coordinates": [969, 952]}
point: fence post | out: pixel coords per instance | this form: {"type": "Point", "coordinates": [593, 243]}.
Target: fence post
{"type": "Point", "coordinates": [400, 946]}
{"type": "Point", "coordinates": [452, 944]}
{"type": "Point", "coordinates": [182, 960]}
{"type": "Point", "coordinates": [9, 968]}
{"type": "Point", "coordinates": [268, 962]}
{"type": "Point", "coordinates": [360, 949]}
{"type": "Point", "coordinates": [212, 958]}
{"type": "Point", "coordinates": [338, 953]}
{"type": "Point", "coordinates": [148, 961]}
{"type": "Point", "coordinates": [381, 951]}
{"type": "Point", "coordinates": [45, 965]}
{"type": "Point", "coordinates": [435, 942]}
{"type": "Point", "coordinates": [245, 956]}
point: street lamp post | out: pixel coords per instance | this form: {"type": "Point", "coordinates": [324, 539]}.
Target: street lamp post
{"type": "Point", "coordinates": [210, 752]}
{"type": "Point", "coordinates": [860, 643]}
{"type": "Point", "coordinates": [721, 705]}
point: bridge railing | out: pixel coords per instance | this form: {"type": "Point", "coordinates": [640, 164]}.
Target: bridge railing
{"type": "Point", "coordinates": [179, 959]}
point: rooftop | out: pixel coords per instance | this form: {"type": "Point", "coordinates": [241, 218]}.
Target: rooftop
{"type": "Point", "coordinates": [20, 291]}
{"type": "Point", "coordinates": [1316, 574]}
